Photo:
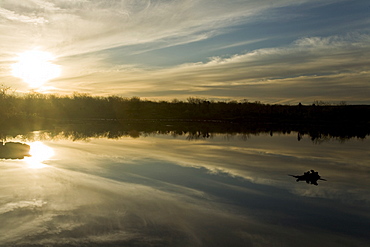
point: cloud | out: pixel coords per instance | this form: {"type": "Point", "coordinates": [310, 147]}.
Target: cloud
{"type": "Point", "coordinates": [313, 67]}
{"type": "Point", "coordinates": [12, 16]}
{"type": "Point", "coordinates": [76, 27]}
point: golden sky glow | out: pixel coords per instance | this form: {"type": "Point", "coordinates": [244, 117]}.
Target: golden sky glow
{"type": "Point", "coordinates": [285, 51]}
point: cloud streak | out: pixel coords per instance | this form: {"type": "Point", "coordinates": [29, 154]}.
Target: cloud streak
{"type": "Point", "coordinates": [314, 63]}
{"type": "Point", "coordinates": [87, 26]}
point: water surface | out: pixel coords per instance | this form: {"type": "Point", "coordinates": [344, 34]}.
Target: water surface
{"type": "Point", "coordinates": [162, 190]}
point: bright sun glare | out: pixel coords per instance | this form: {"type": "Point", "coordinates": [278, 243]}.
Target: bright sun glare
{"type": "Point", "coordinates": [34, 67]}
{"type": "Point", "coordinates": [39, 153]}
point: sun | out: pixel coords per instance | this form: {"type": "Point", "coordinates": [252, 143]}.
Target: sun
{"type": "Point", "coordinates": [35, 68]}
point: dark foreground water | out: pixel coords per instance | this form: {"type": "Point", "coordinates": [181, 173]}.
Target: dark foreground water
{"type": "Point", "coordinates": [161, 190]}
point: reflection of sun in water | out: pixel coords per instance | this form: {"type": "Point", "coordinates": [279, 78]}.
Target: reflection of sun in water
{"type": "Point", "coordinates": [39, 153]}
{"type": "Point", "coordinates": [34, 67]}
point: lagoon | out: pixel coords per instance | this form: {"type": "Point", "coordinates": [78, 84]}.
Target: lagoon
{"type": "Point", "coordinates": [181, 189]}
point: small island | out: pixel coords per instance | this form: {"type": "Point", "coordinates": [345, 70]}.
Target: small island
{"type": "Point", "coordinates": [14, 150]}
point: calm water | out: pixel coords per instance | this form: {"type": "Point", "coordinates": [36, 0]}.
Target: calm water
{"type": "Point", "coordinates": [161, 190]}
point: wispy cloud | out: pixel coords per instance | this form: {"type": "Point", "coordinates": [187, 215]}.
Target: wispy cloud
{"type": "Point", "coordinates": [248, 42]}
{"type": "Point", "coordinates": [12, 16]}
{"type": "Point", "coordinates": [87, 26]}
{"type": "Point", "coordinates": [308, 63]}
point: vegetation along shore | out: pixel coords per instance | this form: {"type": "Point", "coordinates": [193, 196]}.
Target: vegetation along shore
{"type": "Point", "coordinates": [36, 107]}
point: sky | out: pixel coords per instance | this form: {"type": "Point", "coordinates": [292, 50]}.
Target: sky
{"type": "Point", "coordinates": [273, 51]}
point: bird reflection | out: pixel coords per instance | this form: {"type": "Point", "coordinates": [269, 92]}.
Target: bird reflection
{"type": "Point", "coordinates": [311, 177]}
{"type": "Point", "coordinates": [14, 150]}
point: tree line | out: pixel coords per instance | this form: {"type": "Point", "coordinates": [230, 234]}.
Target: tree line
{"type": "Point", "coordinates": [84, 106]}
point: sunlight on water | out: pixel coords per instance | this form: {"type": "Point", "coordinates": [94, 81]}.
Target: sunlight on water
{"type": "Point", "coordinates": [91, 189]}
{"type": "Point", "coordinates": [39, 153]}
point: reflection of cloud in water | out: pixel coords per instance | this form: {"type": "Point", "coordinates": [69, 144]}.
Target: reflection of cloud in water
{"type": "Point", "coordinates": [262, 160]}
{"type": "Point", "coordinates": [12, 206]}
{"type": "Point", "coordinates": [171, 192]}
{"type": "Point", "coordinates": [75, 209]}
